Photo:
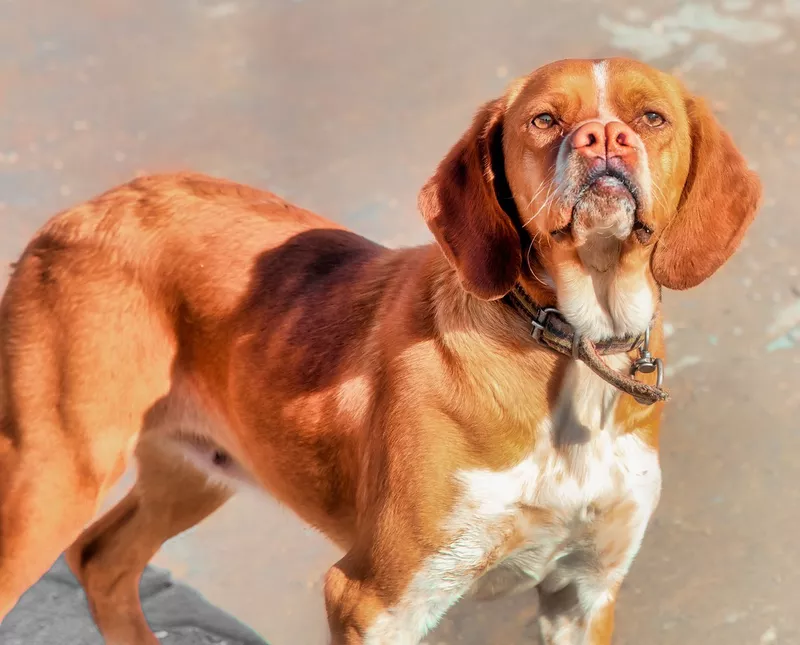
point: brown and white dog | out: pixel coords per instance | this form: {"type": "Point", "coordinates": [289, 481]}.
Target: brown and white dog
{"type": "Point", "coordinates": [394, 399]}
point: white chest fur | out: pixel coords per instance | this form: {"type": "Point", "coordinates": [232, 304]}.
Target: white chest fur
{"type": "Point", "coordinates": [518, 527]}
{"type": "Point", "coordinates": [579, 469]}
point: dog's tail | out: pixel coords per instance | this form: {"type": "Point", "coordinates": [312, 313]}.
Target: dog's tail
{"type": "Point", "coordinates": [8, 437]}
{"type": "Point", "coordinates": [5, 396]}
{"type": "Point", "coordinates": [3, 381]}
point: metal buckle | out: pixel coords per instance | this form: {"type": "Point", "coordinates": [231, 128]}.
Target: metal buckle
{"type": "Point", "coordinates": [540, 323]}
{"type": "Point", "coordinates": [646, 364]}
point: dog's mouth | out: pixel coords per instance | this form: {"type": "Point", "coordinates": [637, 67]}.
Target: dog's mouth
{"type": "Point", "coordinates": [606, 205]}
{"type": "Point", "coordinates": [610, 186]}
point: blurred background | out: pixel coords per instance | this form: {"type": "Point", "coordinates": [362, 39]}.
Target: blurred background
{"type": "Point", "coordinates": [345, 107]}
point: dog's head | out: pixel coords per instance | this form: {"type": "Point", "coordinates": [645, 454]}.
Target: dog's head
{"type": "Point", "coordinates": [602, 178]}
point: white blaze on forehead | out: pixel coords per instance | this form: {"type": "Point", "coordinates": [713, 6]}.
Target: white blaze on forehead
{"type": "Point", "coordinates": [600, 73]}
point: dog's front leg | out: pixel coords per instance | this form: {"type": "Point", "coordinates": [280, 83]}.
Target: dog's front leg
{"type": "Point", "coordinates": [565, 619]}
{"type": "Point", "coordinates": [378, 600]}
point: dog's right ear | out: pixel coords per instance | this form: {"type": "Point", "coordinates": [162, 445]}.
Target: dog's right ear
{"type": "Point", "coordinates": [460, 206]}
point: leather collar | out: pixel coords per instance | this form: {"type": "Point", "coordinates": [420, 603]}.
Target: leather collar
{"type": "Point", "coordinates": [550, 329]}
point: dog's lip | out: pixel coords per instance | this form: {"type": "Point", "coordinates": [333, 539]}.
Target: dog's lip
{"type": "Point", "coordinates": [608, 179]}
{"type": "Point", "coordinates": [611, 180]}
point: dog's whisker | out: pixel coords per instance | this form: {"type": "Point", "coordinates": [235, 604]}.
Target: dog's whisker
{"type": "Point", "coordinates": [662, 200]}
{"type": "Point", "coordinates": [530, 266]}
{"type": "Point", "coordinates": [548, 178]}
{"type": "Point", "coordinates": [530, 203]}
{"type": "Point", "coordinates": [547, 201]}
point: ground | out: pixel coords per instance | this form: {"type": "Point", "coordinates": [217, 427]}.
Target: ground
{"type": "Point", "coordinates": [345, 107]}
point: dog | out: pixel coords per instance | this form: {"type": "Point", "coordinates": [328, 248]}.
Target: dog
{"type": "Point", "coordinates": [472, 417]}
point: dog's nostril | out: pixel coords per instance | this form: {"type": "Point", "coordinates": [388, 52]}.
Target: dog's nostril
{"type": "Point", "coordinates": [622, 139]}
{"type": "Point", "coordinates": [592, 140]}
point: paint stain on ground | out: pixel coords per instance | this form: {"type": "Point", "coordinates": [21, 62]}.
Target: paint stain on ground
{"type": "Point", "coordinates": [786, 318]}
{"type": "Point", "coordinates": [222, 10]}
{"type": "Point", "coordinates": [679, 30]}
{"type": "Point", "coordinates": [787, 341]}
{"type": "Point", "coordinates": [785, 328]}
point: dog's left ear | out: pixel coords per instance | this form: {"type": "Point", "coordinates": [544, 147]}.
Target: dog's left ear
{"type": "Point", "coordinates": [460, 205]}
{"type": "Point", "coordinates": [720, 199]}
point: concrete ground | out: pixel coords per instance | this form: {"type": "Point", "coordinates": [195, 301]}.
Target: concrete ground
{"type": "Point", "coordinates": [345, 106]}
{"type": "Point", "coordinates": [53, 612]}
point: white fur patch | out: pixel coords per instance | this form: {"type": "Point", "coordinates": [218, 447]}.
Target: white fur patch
{"type": "Point", "coordinates": [353, 399]}
{"type": "Point", "coordinates": [600, 74]}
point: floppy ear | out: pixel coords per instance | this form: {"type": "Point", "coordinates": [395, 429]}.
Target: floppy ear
{"type": "Point", "coordinates": [460, 206]}
{"type": "Point", "coordinates": [720, 199]}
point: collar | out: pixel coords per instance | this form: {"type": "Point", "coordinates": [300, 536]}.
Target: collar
{"type": "Point", "coordinates": [550, 329]}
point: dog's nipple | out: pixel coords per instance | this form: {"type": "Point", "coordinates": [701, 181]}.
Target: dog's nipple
{"type": "Point", "coordinates": [220, 458]}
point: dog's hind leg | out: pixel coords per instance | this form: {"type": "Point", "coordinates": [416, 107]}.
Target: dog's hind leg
{"type": "Point", "coordinates": [44, 502]}
{"type": "Point", "coordinates": [80, 370]}
{"type": "Point", "coordinates": [170, 495]}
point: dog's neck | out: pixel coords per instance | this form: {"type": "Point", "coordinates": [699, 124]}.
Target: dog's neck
{"type": "Point", "coordinates": [509, 383]}
{"type": "Point", "coordinates": [617, 302]}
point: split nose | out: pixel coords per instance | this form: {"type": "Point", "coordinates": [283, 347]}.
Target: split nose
{"type": "Point", "coordinates": [595, 140]}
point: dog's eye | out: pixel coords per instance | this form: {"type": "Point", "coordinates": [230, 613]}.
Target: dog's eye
{"type": "Point", "coordinates": [544, 121]}
{"type": "Point", "coordinates": [654, 119]}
